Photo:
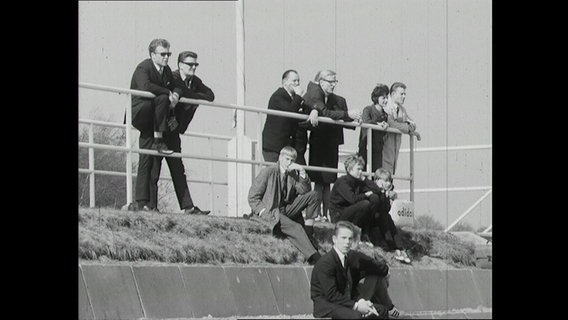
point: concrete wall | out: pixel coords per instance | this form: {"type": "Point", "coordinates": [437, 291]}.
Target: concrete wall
{"type": "Point", "coordinates": [161, 292]}
{"type": "Point", "coordinates": [440, 48]}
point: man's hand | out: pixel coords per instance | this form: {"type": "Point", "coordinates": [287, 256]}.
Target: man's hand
{"type": "Point", "coordinates": [383, 125]}
{"type": "Point", "coordinates": [174, 99]}
{"type": "Point", "coordinates": [364, 306]}
{"type": "Point", "coordinates": [295, 166]}
{"type": "Point", "coordinates": [354, 114]}
{"type": "Point", "coordinates": [313, 117]}
{"type": "Point", "coordinates": [368, 193]}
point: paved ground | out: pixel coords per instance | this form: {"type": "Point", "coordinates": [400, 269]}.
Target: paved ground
{"type": "Point", "coordinates": [480, 313]}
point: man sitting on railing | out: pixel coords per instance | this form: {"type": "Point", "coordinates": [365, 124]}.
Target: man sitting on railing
{"type": "Point", "coordinates": [149, 115]}
{"type": "Point", "coordinates": [279, 194]}
{"type": "Point", "coordinates": [192, 87]}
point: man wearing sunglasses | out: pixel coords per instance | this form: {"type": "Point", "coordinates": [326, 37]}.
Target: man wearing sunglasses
{"type": "Point", "coordinates": [180, 117]}
{"type": "Point", "coordinates": [149, 115]}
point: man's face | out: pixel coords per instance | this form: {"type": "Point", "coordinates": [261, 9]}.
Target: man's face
{"type": "Point", "coordinates": [399, 95]}
{"type": "Point", "coordinates": [285, 161]}
{"type": "Point", "coordinates": [328, 84]}
{"type": "Point", "coordinates": [343, 240]}
{"type": "Point", "coordinates": [356, 171]}
{"type": "Point", "coordinates": [161, 55]}
{"type": "Point", "coordinates": [188, 66]}
{"type": "Point", "coordinates": [292, 80]}
{"type": "Point", "coordinates": [384, 183]}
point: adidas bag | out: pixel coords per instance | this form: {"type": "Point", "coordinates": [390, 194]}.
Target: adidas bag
{"type": "Point", "coordinates": [402, 213]}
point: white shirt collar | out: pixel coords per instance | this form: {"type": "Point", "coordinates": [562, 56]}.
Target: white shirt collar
{"type": "Point", "coordinates": [341, 256]}
{"type": "Point", "coordinates": [157, 67]}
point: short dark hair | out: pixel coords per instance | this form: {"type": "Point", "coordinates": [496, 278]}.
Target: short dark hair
{"type": "Point", "coordinates": [156, 43]}
{"type": "Point", "coordinates": [184, 54]}
{"type": "Point", "coordinates": [397, 85]}
{"type": "Point", "coordinates": [379, 91]}
{"type": "Point", "coordinates": [287, 73]}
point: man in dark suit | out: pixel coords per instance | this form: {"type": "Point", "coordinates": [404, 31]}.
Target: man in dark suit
{"type": "Point", "coordinates": [278, 195]}
{"type": "Point", "coordinates": [192, 87]}
{"type": "Point", "coordinates": [348, 284]}
{"type": "Point", "coordinates": [149, 115]}
{"type": "Point", "coordinates": [280, 131]}
{"type": "Point", "coordinates": [326, 138]}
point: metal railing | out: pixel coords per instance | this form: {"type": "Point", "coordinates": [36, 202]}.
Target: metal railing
{"type": "Point", "coordinates": [129, 150]}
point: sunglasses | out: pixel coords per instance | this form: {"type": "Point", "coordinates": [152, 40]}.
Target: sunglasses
{"type": "Point", "coordinates": [191, 64]}
{"type": "Point", "coordinates": [163, 54]}
{"type": "Point", "coordinates": [331, 81]}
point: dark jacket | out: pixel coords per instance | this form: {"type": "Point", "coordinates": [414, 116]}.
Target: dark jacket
{"type": "Point", "coordinates": [348, 190]}
{"type": "Point", "coordinates": [332, 286]}
{"type": "Point", "coordinates": [184, 112]}
{"type": "Point", "coordinates": [264, 193]}
{"type": "Point", "coordinates": [335, 108]}
{"type": "Point", "coordinates": [280, 131]}
{"type": "Point", "coordinates": [147, 78]}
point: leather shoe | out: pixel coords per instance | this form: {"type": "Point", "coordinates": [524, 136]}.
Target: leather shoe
{"type": "Point", "coordinates": [196, 210]}
{"type": "Point", "coordinates": [161, 146]}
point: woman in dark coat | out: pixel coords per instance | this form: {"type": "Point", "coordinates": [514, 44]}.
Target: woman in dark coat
{"type": "Point", "coordinates": [375, 114]}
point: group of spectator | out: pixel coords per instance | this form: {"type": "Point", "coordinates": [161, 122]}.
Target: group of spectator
{"type": "Point", "coordinates": [344, 283]}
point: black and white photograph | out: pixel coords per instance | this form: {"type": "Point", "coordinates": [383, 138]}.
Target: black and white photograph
{"type": "Point", "coordinates": [285, 159]}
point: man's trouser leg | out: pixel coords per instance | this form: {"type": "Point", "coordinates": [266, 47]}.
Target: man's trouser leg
{"type": "Point", "coordinates": [177, 170]}
{"type": "Point", "coordinates": [295, 232]}
{"type": "Point", "coordinates": [375, 288]}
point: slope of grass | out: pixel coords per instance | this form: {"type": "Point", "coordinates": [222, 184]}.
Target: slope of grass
{"type": "Point", "coordinates": [113, 235]}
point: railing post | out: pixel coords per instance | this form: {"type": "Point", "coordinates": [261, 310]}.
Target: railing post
{"type": "Point", "coordinates": [411, 167]}
{"type": "Point", "coordinates": [259, 155]}
{"type": "Point", "coordinates": [129, 153]}
{"type": "Point", "coordinates": [210, 175]}
{"type": "Point", "coordinates": [91, 168]}
{"type": "Point", "coordinates": [369, 148]}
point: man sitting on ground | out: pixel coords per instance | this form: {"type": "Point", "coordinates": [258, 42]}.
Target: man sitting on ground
{"type": "Point", "coordinates": [348, 284]}
{"type": "Point", "coordinates": [279, 194]}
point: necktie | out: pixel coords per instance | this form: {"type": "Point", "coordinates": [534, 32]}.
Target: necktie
{"type": "Point", "coordinates": [187, 82]}
{"type": "Point", "coordinates": [348, 272]}
{"type": "Point", "coordinates": [284, 184]}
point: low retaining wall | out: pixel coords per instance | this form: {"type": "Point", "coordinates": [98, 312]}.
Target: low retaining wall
{"type": "Point", "coordinates": [161, 292]}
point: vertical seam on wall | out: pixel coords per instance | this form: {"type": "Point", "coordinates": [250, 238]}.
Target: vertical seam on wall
{"type": "Point", "coordinates": [87, 292]}
{"type": "Point", "coordinates": [335, 38]}
{"type": "Point", "coordinates": [138, 291]}
{"type": "Point", "coordinates": [447, 118]}
{"type": "Point", "coordinates": [284, 35]}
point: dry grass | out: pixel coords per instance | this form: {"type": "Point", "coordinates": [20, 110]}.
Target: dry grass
{"type": "Point", "coordinates": [113, 235]}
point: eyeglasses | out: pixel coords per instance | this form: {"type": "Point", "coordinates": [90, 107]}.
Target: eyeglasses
{"type": "Point", "coordinates": [163, 54]}
{"type": "Point", "coordinates": [331, 81]}
{"type": "Point", "coordinates": [191, 64]}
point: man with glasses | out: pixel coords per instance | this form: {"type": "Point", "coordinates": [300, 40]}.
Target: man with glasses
{"type": "Point", "coordinates": [192, 87]}
{"type": "Point", "coordinates": [149, 115]}
{"type": "Point", "coordinates": [325, 139]}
